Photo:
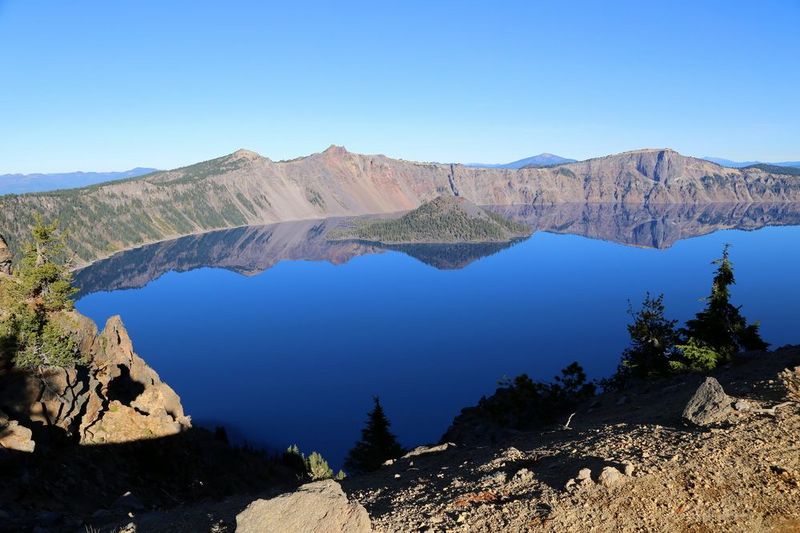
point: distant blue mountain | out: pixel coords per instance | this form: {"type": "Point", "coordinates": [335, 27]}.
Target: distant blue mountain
{"type": "Point", "coordinates": [22, 183]}
{"type": "Point", "coordinates": [740, 164]}
{"type": "Point", "coordinates": [541, 160]}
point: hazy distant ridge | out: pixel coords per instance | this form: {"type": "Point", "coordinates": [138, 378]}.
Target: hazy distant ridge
{"type": "Point", "coordinates": [541, 160]}
{"type": "Point", "coordinates": [742, 164]}
{"type": "Point", "coordinates": [24, 183]}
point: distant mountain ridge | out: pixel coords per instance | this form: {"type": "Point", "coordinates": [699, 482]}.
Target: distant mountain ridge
{"type": "Point", "coordinates": [542, 160]}
{"type": "Point", "coordinates": [741, 164]}
{"type": "Point", "coordinates": [245, 188]}
{"type": "Point", "coordinates": [26, 183]}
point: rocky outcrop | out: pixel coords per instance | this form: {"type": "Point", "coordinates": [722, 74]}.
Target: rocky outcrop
{"type": "Point", "coordinates": [13, 436]}
{"type": "Point", "coordinates": [114, 398]}
{"type": "Point", "coordinates": [708, 405]}
{"type": "Point", "coordinates": [130, 402]}
{"type": "Point", "coordinates": [320, 507]}
{"type": "Point", "coordinates": [246, 189]}
{"type": "Point", "coordinates": [790, 378]}
{"type": "Point", "coordinates": [5, 257]}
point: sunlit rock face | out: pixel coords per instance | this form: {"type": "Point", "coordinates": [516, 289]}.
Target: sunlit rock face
{"type": "Point", "coordinates": [116, 397]}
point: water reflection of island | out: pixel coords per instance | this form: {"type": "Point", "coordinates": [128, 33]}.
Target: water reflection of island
{"type": "Point", "coordinates": [251, 250]}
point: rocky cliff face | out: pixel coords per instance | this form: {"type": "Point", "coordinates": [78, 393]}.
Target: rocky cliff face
{"type": "Point", "coordinates": [247, 189]}
{"type": "Point", "coordinates": [115, 398]}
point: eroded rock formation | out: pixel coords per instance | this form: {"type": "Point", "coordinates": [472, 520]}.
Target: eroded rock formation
{"type": "Point", "coordinates": [115, 398]}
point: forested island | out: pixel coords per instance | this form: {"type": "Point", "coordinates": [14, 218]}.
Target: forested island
{"type": "Point", "coordinates": [444, 220]}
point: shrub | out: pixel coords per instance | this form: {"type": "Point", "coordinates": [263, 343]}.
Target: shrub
{"type": "Point", "coordinates": [318, 468]}
{"type": "Point", "coordinates": [694, 356]}
{"type": "Point", "coordinates": [526, 404]}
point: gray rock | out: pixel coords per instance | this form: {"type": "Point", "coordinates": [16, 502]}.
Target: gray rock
{"type": "Point", "coordinates": [629, 469]}
{"type": "Point", "coordinates": [316, 507]}
{"type": "Point", "coordinates": [584, 474]}
{"type": "Point", "coordinates": [709, 404]}
{"type": "Point", "coordinates": [609, 476]}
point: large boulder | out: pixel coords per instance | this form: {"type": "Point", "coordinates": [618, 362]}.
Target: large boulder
{"type": "Point", "coordinates": [5, 257]}
{"type": "Point", "coordinates": [708, 405]}
{"type": "Point", "coordinates": [319, 507]}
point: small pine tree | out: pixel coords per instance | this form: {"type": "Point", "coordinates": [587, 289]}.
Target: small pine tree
{"type": "Point", "coordinates": [377, 443]}
{"type": "Point", "coordinates": [295, 460]}
{"type": "Point", "coordinates": [721, 326]}
{"type": "Point", "coordinates": [653, 340]}
{"type": "Point", "coordinates": [44, 272]}
{"type": "Point", "coordinates": [318, 467]}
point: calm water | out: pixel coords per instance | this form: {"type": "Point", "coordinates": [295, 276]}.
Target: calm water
{"type": "Point", "coordinates": [295, 353]}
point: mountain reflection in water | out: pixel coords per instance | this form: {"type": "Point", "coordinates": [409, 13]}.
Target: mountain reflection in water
{"type": "Point", "coordinates": [251, 250]}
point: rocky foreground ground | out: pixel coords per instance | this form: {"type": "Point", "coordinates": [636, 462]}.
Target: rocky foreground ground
{"type": "Point", "coordinates": [630, 461]}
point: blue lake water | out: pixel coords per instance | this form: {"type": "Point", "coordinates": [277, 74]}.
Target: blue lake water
{"type": "Point", "coordinates": [295, 353]}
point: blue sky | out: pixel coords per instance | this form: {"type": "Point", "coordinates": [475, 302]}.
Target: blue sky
{"type": "Point", "coordinates": [99, 85]}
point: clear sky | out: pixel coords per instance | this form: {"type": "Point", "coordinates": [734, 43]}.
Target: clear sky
{"type": "Point", "coordinates": [104, 85]}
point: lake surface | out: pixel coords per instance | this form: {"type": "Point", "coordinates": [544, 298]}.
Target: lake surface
{"type": "Point", "coordinates": [284, 337]}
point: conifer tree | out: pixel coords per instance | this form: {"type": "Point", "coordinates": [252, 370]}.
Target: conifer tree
{"type": "Point", "coordinates": [377, 443]}
{"type": "Point", "coordinates": [653, 340]}
{"type": "Point", "coordinates": [721, 326]}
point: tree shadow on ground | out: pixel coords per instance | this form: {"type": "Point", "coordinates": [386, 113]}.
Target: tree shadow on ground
{"type": "Point", "coordinates": [66, 486]}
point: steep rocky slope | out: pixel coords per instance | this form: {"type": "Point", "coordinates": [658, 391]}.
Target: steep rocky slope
{"type": "Point", "coordinates": [246, 189]}
{"type": "Point", "coordinates": [648, 468]}
{"type": "Point", "coordinates": [108, 438]}
{"type": "Point", "coordinates": [629, 461]}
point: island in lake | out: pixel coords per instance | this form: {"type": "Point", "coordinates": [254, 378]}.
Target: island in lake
{"type": "Point", "coordinates": [443, 220]}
